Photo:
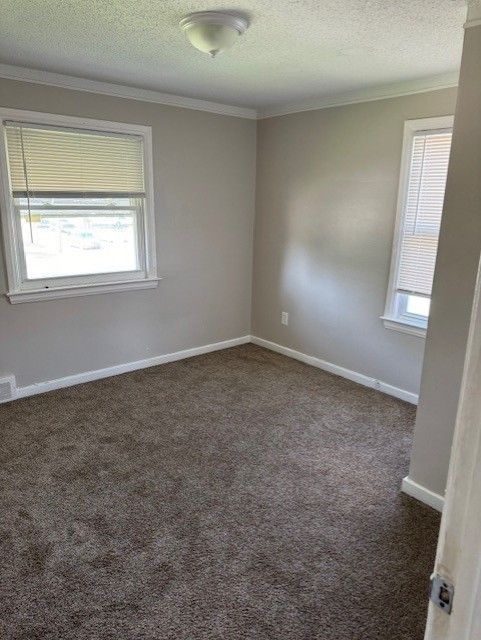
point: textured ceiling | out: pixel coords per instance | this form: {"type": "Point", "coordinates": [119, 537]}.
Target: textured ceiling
{"type": "Point", "coordinates": [294, 50]}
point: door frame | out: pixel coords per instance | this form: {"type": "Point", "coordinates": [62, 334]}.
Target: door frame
{"type": "Point", "coordinates": [458, 557]}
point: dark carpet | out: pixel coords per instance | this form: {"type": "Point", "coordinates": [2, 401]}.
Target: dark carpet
{"type": "Point", "coordinates": [236, 495]}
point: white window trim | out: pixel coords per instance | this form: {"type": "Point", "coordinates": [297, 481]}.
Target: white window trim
{"type": "Point", "coordinates": [90, 284]}
{"type": "Point", "coordinates": [390, 318]}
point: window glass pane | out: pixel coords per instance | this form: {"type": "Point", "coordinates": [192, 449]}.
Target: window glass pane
{"type": "Point", "coordinates": [67, 238]}
{"type": "Point", "coordinates": [417, 305]}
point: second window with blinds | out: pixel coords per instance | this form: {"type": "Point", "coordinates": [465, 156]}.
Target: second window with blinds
{"type": "Point", "coordinates": [78, 206]}
{"type": "Point", "coordinates": [425, 160]}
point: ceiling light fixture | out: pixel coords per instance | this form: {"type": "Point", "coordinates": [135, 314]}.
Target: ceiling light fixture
{"type": "Point", "coordinates": [213, 31]}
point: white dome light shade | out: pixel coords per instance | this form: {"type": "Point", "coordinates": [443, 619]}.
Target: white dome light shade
{"type": "Point", "coordinates": [213, 31]}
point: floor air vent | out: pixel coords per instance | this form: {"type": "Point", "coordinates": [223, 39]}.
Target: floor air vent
{"type": "Point", "coordinates": [7, 388]}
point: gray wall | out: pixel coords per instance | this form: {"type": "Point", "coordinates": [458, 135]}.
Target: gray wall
{"type": "Point", "coordinates": [327, 184]}
{"type": "Point", "coordinates": [204, 174]}
{"type": "Point", "coordinates": [326, 192]}
{"type": "Point", "coordinates": [454, 281]}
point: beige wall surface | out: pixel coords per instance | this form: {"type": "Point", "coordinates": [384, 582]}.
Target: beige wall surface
{"type": "Point", "coordinates": [204, 181]}
{"type": "Point", "coordinates": [327, 185]}
{"type": "Point", "coordinates": [454, 281]}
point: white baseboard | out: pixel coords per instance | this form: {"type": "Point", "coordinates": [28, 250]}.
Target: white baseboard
{"type": "Point", "coordinates": [97, 374]}
{"type": "Point", "coordinates": [422, 494]}
{"type": "Point", "coordinates": [339, 371]}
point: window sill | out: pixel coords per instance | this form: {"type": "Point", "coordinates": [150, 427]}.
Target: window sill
{"type": "Point", "coordinates": [37, 295]}
{"type": "Point", "coordinates": [403, 327]}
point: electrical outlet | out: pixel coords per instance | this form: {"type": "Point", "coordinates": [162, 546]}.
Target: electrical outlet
{"type": "Point", "coordinates": [284, 318]}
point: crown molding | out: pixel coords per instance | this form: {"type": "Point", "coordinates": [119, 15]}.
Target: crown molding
{"type": "Point", "coordinates": [24, 74]}
{"type": "Point", "coordinates": [474, 14]}
{"type": "Point", "coordinates": [445, 81]}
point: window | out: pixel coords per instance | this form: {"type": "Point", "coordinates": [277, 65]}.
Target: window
{"type": "Point", "coordinates": [78, 209]}
{"type": "Point", "coordinates": [426, 148]}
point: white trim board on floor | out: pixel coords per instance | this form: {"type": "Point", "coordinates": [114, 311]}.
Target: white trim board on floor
{"type": "Point", "coordinates": [107, 372]}
{"type": "Point", "coordinates": [360, 378]}
{"type": "Point", "coordinates": [423, 494]}
{"type": "Point", "coordinates": [97, 374]}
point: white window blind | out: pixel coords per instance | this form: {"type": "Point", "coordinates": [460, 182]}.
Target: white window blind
{"type": "Point", "coordinates": [63, 162]}
{"type": "Point", "coordinates": [422, 211]}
